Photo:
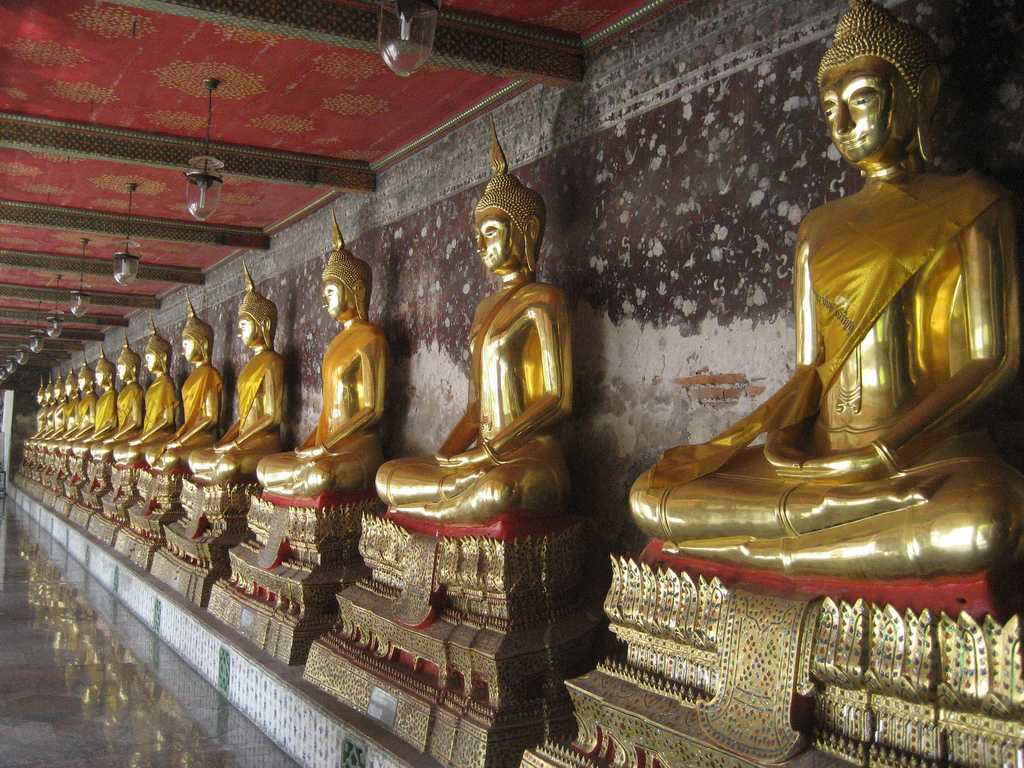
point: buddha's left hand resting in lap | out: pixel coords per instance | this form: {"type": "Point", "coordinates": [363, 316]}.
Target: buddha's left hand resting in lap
{"type": "Point", "coordinates": [200, 399]}
{"type": "Point", "coordinates": [502, 456]}
{"type": "Point", "coordinates": [260, 391]}
{"type": "Point", "coordinates": [906, 299]}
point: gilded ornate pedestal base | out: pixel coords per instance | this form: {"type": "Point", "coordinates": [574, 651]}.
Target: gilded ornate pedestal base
{"type": "Point", "coordinates": [158, 504]}
{"type": "Point", "coordinates": [287, 571]}
{"type": "Point", "coordinates": [95, 487]}
{"type": "Point", "coordinates": [461, 643]}
{"type": "Point", "coordinates": [196, 555]}
{"type": "Point", "coordinates": [868, 684]}
{"type": "Point", "coordinates": [77, 468]}
{"type": "Point", "coordinates": [115, 503]}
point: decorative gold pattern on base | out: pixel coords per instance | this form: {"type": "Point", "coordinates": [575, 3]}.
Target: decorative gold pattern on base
{"type": "Point", "coordinates": [157, 505]}
{"type": "Point", "coordinates": [196, 553]}
{"type": "Point", "coordinates": [500, 626]}
{"type": "Point", "coordinates": [286, 572]}
{"type": "Point", "coordinates": [882, 688]}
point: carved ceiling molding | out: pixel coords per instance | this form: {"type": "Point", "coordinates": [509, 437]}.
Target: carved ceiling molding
{"type": "Point", "coordinates": [472, 42]}
{"type": "Point", "coordinates": [64, 264]}
{"type": "Point", "coordinates": [90, 319]}
{"type": "Point", "coordinates": [68, 334]}
{"type": "Point", "coordinates": [145, 227]}
{"type": "Point", "coordinates": [49, 345]}
{"type": "Point", "coordinates": [101, 298]}
{"type": "Point", "coordinates": [161, 151]}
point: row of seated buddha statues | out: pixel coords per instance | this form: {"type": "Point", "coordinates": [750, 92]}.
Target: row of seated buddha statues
{"type": "Point", "coordinates": [846, 592]}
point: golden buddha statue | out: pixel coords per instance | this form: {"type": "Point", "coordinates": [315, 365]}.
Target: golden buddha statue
{"type": "Point", "coordinates": [200, 396]}
{"type": "Point", "coordinates": [70, 411]}
{"type": "Point", "coordinates": [161, 404]}
{"type": "Point", "coordinates": [906, 303]}
{"type": "Point", "coordinates": [57, 399]}
{"type": "Point", "coordinates": [86, 415]}
{"type": "Point", "coordinates": [260, 391]}
{"type": "Point", "coordinates": [129, 408]}
{"type": "Point", "coordinates": [93, 468]}
{"type": "Point", "coordinates": [301, 535]}
{"type": "Point", "coordinates": [502, 455]}
{"type": "Point", "coordinates": [343, 453]}
{"type": "Point", "coordinates": [32, 445]}
{"type": "Point", "coordinates": [105, 421]}
{"type": "Point", "coordinates": [441, 594]}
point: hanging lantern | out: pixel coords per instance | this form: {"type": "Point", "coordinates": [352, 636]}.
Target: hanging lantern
{"type": "Point", "coordinates": [11, 367]}
{"type": "Point", "coordinates": [126, 263]}
{"type": "Point", "coordinates": [54, 325]}
{"type": "Point", "coordinates": [35, 344]}
{"type": "Point", "coordinates": [21, 356]}
{"type": "Point", "coordinates": [405, 33]}
{"type": "Point", "coordinates": [80, 299]}
{"type": "Point", "coordinates": [202, 182]}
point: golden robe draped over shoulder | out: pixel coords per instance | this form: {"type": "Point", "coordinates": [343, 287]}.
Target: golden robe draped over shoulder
{"type": "Point", "coordinates": [856, 272]}
{"type": "Point", "coordinates": [251, 379]}
{"type": "Point", "coordinates": [159, 397]}
{"type": "Point", "coordinates": [106, 411]}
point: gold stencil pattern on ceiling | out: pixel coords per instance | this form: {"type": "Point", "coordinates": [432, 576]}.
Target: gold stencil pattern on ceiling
{"type": "Point", "coordinates": [239, 198]}
{"type": "Point", "coordinates": [110, 203]}
{"type": "Point", "coordinates": [350, 66]}
{"type": "Point", "coordinates": [282, 123]}
{"type": "Point", "coordinates": [14, 93]}
{"type": "Point", "coordinates": [82, 93]}
{"type": "Point", "coordinates": [112, 23]}
{"type": "Point", "coordinates": [176, 121]}
{"type": "Point", "coordinates": [43, 189]}
{"type": "Point", "coordinates": [45, 53]}
{"type": "Point", "coordinates": [187, 77]}
{"type": "Point", "coordinates": [355, 104]}
{"type": "Point", "coordinates": [574, 18]}
{"type": "Point", "coordinates": [246, 36]}
{"type": "Point", "coordinates": [18, 169]}
{"type": "Point", "coordinates": [113, 183]}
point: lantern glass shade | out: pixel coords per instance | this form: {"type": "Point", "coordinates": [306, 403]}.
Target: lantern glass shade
{"type": "Point", "coordinates": [126, 267]}
{"type": "Point", "coordinates": [79, 303]}
{"type": "Point", "coordinates": [55, 324]}
{"type": "Point", "coordinates": [36, 343]}
{"type": "Point", "coordinates": [21, 356]}
{"type": "Point", "coordinates": [202, 187]}
{"type": "Point", "coordinates": [10, 367]}
{"type": "Point", "coordinates": [405, 33]}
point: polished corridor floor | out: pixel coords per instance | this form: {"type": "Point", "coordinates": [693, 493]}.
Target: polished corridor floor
{"type": "Point", "coordinates": [84, 684]}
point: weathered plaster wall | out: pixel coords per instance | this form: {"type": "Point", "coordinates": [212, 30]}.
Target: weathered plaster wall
{"type": "Point", "coordinates": [675, 177]}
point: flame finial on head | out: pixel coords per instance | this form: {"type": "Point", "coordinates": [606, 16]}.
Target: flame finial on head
{"type": "Point", "coordinates": [156, 343]}
{"type": "Point", "coordinates": [258, 307]}
{"type": "Point", "coordinates": [351, 272]}
{"type": "Point", "coordinates": [508, 194]}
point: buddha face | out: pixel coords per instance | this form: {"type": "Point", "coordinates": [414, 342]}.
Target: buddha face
{"type": "Point", "coordinates": [499, 248]}
{"type": "Point", "coordinates": [248, 332]}
{"type": "Point", "coordinates": [84, 381]}
{"type": "Point", "coordinates": [870, 112]}
{"type": "Point", "coordinates": [155, 363]}
{"type": "Point", "coordinates": [338, 301]}
{"type": "Point", "coordinates": [103, 377]}
{"type": "Point", "coordinates": [69, 387]}
{"type": "Point", "coordinates": [193, 349]}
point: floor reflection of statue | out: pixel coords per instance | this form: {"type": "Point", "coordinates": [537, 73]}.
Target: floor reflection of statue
{"type": "Point", "coordinates": [471, 618]}
{"type": "Point", "coordinates": [877, 485]}
{"type": "Point", "coordinates": [304, 526]}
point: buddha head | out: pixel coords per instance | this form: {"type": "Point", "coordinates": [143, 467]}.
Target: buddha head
{"type": "Point", "coordinates": [257, 316]}
{"type": "Point", "coordinates": [41, 393]}
{"type": "Point", "coordinates": [196, 336]}
{"type": "Point", "coordinates": [86, 378]}
{"type": "Point", "coordinates": [104, 371]}
{"type": "Point", "coordinates": [157, 352]}
{"type": "Point", "coordinates": [70, 385]}
{"type": "Point", "coordinates": [347, 281]}
{"type": "Point", "coordinates": [509, 219]}
{"type": "Point", "coordinates": [879, 86]}
{"type": "Point", "coordinates": [57, 393]}
{"type": "Point", "coordinates": [127, 363]}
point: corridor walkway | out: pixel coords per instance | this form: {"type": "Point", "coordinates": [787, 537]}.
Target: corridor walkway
{"type": "Point", "coordinates": [84, 684]}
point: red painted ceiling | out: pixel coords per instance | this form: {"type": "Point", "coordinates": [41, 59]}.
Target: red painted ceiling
{"type": "Point", "coordinates": [92, 62]}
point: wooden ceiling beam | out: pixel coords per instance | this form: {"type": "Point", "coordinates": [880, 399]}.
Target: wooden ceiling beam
{"type": "Point", "coordinates": [62, 344]}
{"type": "Point", "coordinates": [52, 217]}
{"type": "Point", "coordinates": [487, 45]}
{"type": "Point", "coordinates": [9, 313]}
{"type": "Point", "coordinates": [157, 150]}
{"type": "Point", "coordinates": [69, 265]}
{"type": "Point", "coordinates": [101, 298]}
{"type": "Point", "coordinates": [70, 334]}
